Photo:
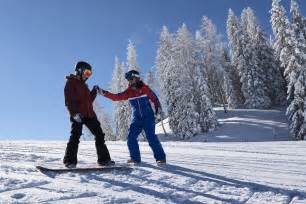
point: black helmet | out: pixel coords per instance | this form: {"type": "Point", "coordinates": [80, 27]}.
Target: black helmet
{"type": "Point", "coordinates": [81, 66]}
{"type": "Point", "coordinates": [132, 73]}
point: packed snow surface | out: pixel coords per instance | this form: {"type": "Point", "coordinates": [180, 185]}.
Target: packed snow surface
{"type": "Point", "coordinates": [262, 172]}
{"type": "Point", "coordinates": [244, 161]}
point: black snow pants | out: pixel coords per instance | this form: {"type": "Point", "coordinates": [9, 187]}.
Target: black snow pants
{"type": "Point", "coordinates": [76, 131]}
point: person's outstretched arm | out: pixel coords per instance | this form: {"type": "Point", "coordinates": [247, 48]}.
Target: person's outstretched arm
{"type": "Point", "coordinates": [115, 97]}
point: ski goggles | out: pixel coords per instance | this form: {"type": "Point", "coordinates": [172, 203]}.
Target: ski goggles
{"type": "Point", "coordinates": [129, 76]}
{"type": "Point", "coordinates": [87, 73]}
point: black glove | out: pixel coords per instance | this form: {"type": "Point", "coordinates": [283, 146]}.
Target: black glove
{"type": "Point", "coordinates": [157, 110]}
{"type": "Point", "coordinates": [96, 88]}
{"type": "Point", "coordinates": [158, 114]}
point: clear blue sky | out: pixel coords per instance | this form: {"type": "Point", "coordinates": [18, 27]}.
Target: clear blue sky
{"type": "Point", "coordinates": [40, 41]}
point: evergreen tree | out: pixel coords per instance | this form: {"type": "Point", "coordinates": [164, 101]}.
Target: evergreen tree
{"type": "Point", "coordinates": [291, 47]}
{"type": "Point", "coordinates": [164, 60]}
{"type": "Point", "coordinates": [234, 35]}
{"type": "Point", "coordinates": [210, 55]}
{"type": "Point", "coordinates": [105, 122]}
{"type": "Point", "coordinates": [298, 21]}
{"type": "Point", "coordinates": [275, 85]}
{"type": "Point", "coordinates": [121, 117]}
{"type": "Point", "coordinates": [282, 31]}
{"type": "Point", "coordinates": [284, 45]}
{"type": "Point", "coordinates": [297, 108]}
{"type": "Point", "coordinates": [231, 81]}
{"type": "Point", "coordinates": [188, 115]}
{"type": "Point", "coordinates": [251, 73]}
{"type": "Point", "coordinates": [125, 110]}
{"type": "Point", "coordinates": [296, 71]}
{"type": "Point", "coordinates": [151, 80]}
{"type": "Point", "coordinates": [131, 60]}
{"type": "Point", "coordinates": [182, 119]}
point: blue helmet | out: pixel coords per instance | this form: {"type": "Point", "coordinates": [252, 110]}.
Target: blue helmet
{"type": "Point", "coordinates": [131, 74]}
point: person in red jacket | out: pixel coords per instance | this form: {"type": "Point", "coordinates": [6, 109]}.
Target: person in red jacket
{"type": "Point", "coordinates": [79, 102]}
{"type": "Point", "coordinates": [139, 95]}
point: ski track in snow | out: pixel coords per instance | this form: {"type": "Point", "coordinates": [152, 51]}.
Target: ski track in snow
{"type": "Point", "coordinates": [269, 172]}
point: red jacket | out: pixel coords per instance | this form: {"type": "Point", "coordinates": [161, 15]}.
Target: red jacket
{"type": "Point", "coordinates": [138, 97]}
{"type": "Point", "coordinates": [78, 97]}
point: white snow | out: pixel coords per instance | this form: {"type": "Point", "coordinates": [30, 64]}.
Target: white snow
{"type": "Point", "coordinates": [271, 172]}
{"type": "Point", "coordinates": [263, 172]}
{"type": "Point", "coordinates": [241, 125]}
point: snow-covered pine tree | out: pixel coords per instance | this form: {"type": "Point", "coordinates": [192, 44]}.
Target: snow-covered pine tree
{"type": "Point", "coordinates": [209, 48]}
{"type": "Point", "coordinates": [297, 108]}
{"type": "Point", "coordinates": [121, 118]}
{"type": "Point", "coordinates": [231, 81]}
{"type": "Point", "coordinates": [234, 35]}
{"type": "Point", "coordinates": [282, 31]}
{"type": "Point", "coordinates": [296, 111]}
{"type": "Point", "coordinates": [131, 59]}
{"type": "Point", "coordinates": [118, 74]}
{"type": "Point", "coordinates": [267, 67]}
{"type": "Point", "coordinates": [125, 110]}
{"type": "Point", "coordinates": [252, 75]}
{"type": "Point", "coordinates": [296, 70]}
{"type": "Point", "coordinates": [290, 45]}
{"type": "Point", "coordinates": [298, 20]}
{"type": "Point", "coordinates": [163, 65]}
{"type": "Point", "coordinates": [202, 103]}
{"type": "Point", "coordinates": [182, 118]}
{"type": "Point", "coordinates": [105, 122]}
{"type": "Point", "coordinates": [115, 88]}
{"type": "Point", "coordinates": [285, 44]}
{"type": "Point", "coordinates": [187, 114]}
{"type": "Point", "coordinates": [122, 111]}
{"type": "Point", "coordinates": [150, 79]}
{"type": "Point", "coordinates": [273, 79]}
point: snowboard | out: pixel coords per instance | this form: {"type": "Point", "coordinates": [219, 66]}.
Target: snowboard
{"type": "Point", "coordinates": [81, 169]}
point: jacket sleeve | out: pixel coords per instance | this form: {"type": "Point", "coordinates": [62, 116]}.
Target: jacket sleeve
{"type": "Point", "coordinates": [152, 96]}
{"type": "Point", "coordinates": [93, 94]}
{"type": "Point", "coordinates": [119, 96]}
{"type": "Point", "coordinates": [70, 98]}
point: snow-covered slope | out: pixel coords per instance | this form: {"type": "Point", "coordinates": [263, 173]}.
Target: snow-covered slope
{"type": "Point", "coordinates": [241, 125]}
{"type": "Point", "coordinates": [239, 171]}
{"type": "Point", "coordinates": [263, 172]}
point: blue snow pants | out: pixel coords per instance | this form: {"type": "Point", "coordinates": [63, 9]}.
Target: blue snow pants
{"type": "Point", "coordinates": [146, 123]}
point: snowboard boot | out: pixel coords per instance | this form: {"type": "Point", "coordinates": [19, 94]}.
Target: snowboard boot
{"type": "Point", "coordinates": [106, 163]}
{"type": "Point", "coordinates": [160, 162]}
{"type": "Point", "coordinates": [70, 165]}
{"type": "Point", "coordinates": [132, 162]}
{"type": "Point", "coordinates": [70, 155]}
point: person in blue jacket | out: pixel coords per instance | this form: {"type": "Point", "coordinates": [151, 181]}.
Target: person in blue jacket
{"type": "Point", "coordinates": [139, 95]}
